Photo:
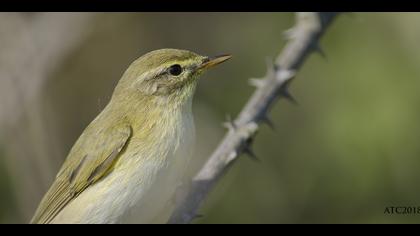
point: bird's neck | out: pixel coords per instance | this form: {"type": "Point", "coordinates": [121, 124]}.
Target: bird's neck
{"type": "Point", "coordinates": [150, 110]}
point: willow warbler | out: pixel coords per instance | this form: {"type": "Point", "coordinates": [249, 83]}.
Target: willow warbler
{"type": "Point", "coordinates": [135, 152]}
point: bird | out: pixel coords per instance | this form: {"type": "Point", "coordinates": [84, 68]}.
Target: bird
{"type": "Point", "coordinates": [135, 153]}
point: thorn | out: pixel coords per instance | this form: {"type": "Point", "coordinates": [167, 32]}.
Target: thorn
{"type": "Point", "coordinates": [258, 83]}
{"type": "Point", "coordinates": [229, 123]}
{"type": "Point", "coordinates": [319, 50]}
{"type": "Point", "coordinates": [269, 63]}
{"type": "Point", "coordinates": [286, 94]}
{"type": "Point", "coordinates": [248, 150]}
{"type": "Point", "coordinates": [265, 119]}
{"type": "Point", "coordinates": [289, 97]}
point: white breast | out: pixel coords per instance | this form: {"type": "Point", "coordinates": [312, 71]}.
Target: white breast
{"type": "Point", "coordinates": [154, 197]}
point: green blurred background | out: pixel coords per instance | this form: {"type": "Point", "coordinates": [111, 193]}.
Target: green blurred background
{"type": "Point", "coordinates": [350, 149]}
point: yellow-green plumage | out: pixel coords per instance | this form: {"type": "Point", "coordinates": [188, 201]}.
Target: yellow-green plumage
{"type": "Point", "coordinates": [134, 153]}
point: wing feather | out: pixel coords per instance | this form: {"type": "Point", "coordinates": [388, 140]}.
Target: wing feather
{"type": "Point", "coordinates": [90, 159]}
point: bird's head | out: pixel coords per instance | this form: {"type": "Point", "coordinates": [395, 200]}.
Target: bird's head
{"type": "Point", "coordinates": [169, 74]}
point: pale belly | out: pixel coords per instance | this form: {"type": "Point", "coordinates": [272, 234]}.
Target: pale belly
{"type": "Point", "coordinates": [142, 190]}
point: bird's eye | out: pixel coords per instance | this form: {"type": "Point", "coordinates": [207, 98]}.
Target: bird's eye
{"type": "Point", "coordinates": [175, 70]}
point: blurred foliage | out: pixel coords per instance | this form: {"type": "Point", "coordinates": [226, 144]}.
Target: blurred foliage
{"type": "Point", "coordinates": [348, 150]}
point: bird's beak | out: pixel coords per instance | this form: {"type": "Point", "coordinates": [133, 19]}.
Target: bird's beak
{"type": "Point", "coordinates": [212, 61]}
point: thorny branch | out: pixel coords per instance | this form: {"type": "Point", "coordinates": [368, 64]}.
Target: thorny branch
{"type": "Point", "coordinates": [303, 39]}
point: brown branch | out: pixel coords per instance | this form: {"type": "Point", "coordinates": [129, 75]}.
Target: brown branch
{"type": "Point", "coordinates": [303, 39]}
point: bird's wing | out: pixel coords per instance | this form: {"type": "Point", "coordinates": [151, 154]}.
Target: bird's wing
{"type": "Point", "coordinates": [92, 157]}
